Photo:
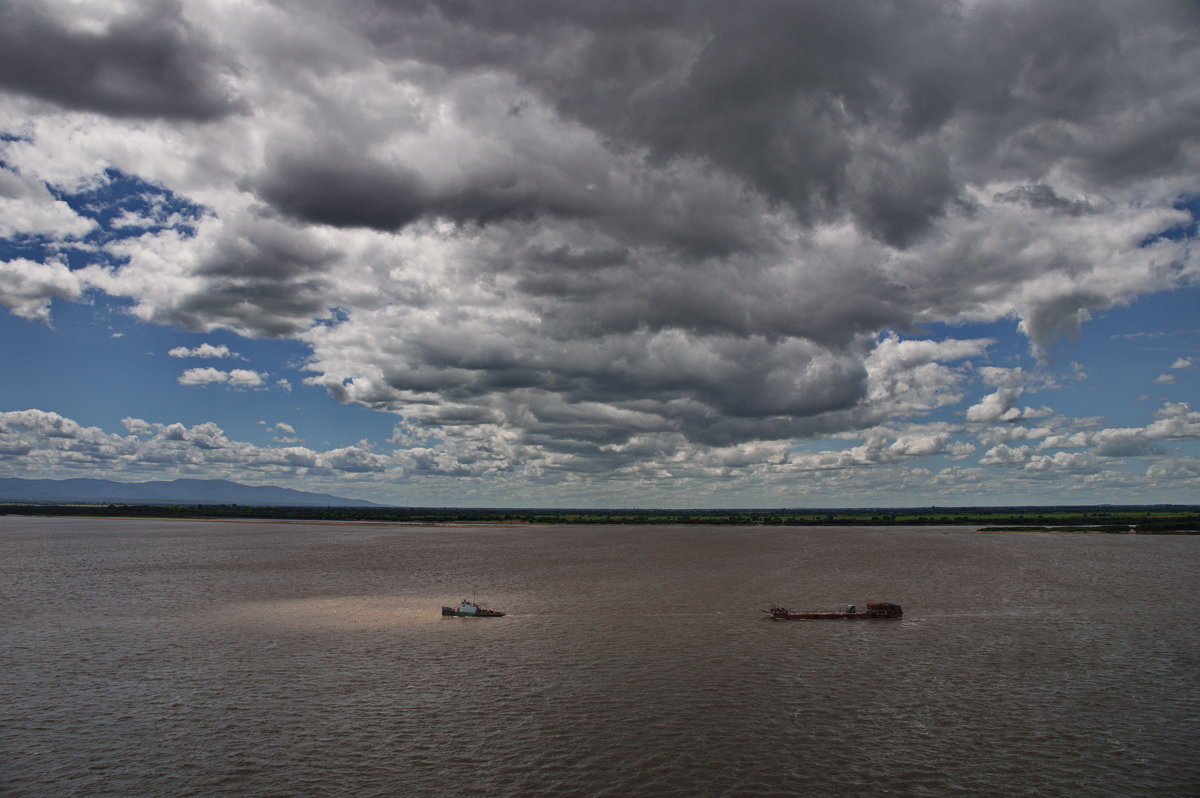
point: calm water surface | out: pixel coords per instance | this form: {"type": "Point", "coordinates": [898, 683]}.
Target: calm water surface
{"type": "Point", "coordinates": [173, 658]}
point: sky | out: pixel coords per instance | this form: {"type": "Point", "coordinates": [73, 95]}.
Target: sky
{"type": "Point", "coordinates": [654, 254]}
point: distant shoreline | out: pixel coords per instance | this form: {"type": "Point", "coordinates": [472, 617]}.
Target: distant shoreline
{"type": "Point", "coordinates": [1129, 519]}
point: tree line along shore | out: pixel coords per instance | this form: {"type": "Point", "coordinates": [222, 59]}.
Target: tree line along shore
{"type": "Point", "coordinates": [1137, 519]}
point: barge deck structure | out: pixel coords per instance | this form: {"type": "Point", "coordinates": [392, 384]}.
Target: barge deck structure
{"type": "Point", "coordinates": [469, 609]}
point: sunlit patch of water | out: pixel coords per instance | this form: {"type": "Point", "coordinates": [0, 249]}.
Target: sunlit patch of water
{"type": "Point", "coordinates": [330, 613]}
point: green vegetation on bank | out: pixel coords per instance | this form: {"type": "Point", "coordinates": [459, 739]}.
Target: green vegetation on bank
{"type": "Point", "coordinates": [1156, 519]}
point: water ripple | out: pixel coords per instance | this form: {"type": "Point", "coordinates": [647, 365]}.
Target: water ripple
{"type": "Point", "coordinates": [280, 661]}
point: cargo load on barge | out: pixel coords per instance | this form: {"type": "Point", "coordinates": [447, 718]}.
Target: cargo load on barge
{"type": "Point", "coordinates": [875, 609]}
{"type": "Point", "coordinates": [469, 609]}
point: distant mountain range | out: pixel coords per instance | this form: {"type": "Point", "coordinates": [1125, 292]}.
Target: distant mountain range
{"type": "Point", "coordinates": [178, 491]}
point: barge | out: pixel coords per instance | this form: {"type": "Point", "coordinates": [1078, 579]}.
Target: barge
{"type": "Point", "coordinates": [469, 609]}
{"type": "Point", "coordinates": [874, 609]}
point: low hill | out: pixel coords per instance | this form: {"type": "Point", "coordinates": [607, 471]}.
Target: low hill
{"type": "Point", "coordinates": [178, 491]}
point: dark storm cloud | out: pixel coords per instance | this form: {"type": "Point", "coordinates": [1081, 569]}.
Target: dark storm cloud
{"type": "Point", "coordinates": [882, 112]}
{"type": "Point", "coordinates": [260, 277]}
{"type": "Point", "coordinates": [713, 390]}
{"type": "Point", "coordinates": [345, 195]}
{"type": "Point", "coordinates": [605, 228]}
{"type": "Point", "coordinates": [353, 191]}
{"type": "Point", "coordinates": [149, 63]}
{"type": "Point", "coordinates": [696, 297]}
{"type": "Point", "coordinates": [1043, 197]}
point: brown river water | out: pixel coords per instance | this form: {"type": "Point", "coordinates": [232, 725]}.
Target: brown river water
{"type": "Point", "coordinates": [177, 658]}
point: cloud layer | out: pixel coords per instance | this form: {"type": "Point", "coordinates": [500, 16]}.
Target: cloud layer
{"type": "Point", "coordinates": [589, 238]}
{"type": "Point", "coordinates": [486, 464]}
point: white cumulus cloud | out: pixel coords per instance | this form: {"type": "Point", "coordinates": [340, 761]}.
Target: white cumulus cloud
{"type": "Point", "coordinates": [203, 351]}
{"type": "Point", "coordinates": [237, 378]}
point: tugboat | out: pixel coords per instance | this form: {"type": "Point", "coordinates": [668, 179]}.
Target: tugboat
{"type": "Point", "coordinates": [469, 609]}
{"type": "Point", "coordinates": [875, 609]}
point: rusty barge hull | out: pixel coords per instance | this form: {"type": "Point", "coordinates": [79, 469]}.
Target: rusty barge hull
{"type": "Point", "coordinates": [820, 616]}
{"type": "Point", "coordinates": [450, 612]}
{"type": "Point", "coordinates": [876, 610]}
